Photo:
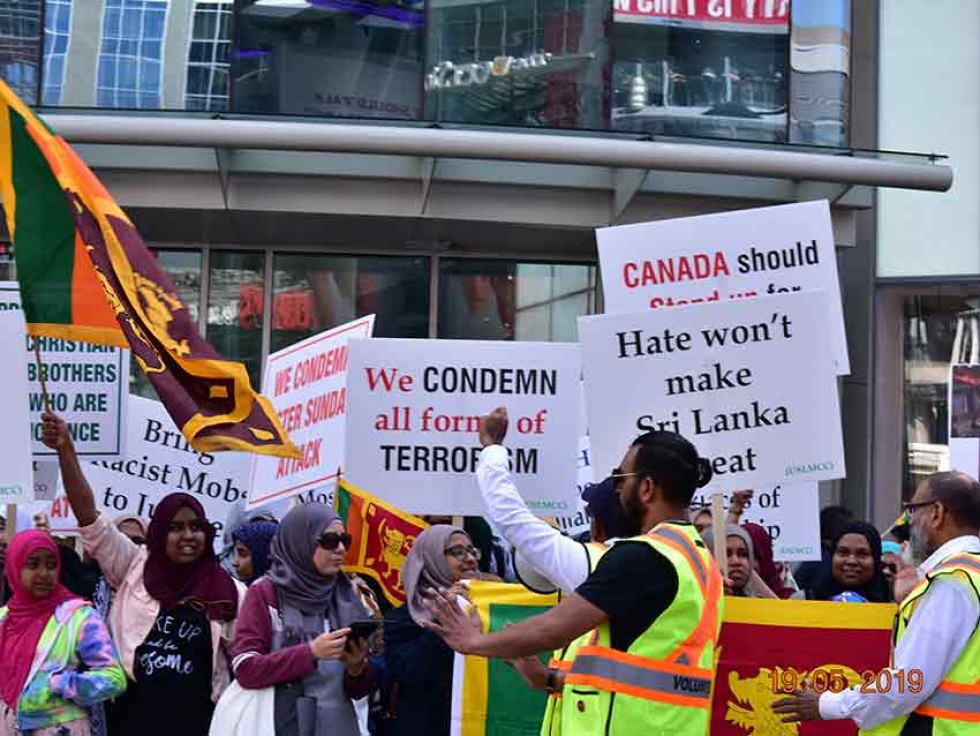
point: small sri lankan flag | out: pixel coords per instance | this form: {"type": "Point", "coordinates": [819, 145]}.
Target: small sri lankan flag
{"type": "Point", "coordinates": [85, 274]}
{"type": "Point", "coordinates": [381, 536]}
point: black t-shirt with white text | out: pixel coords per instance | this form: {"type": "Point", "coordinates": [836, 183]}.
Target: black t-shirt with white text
{"type": "Point", "coordinates": [172, 692]}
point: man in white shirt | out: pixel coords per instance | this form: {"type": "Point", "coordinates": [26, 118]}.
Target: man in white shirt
{"type": "Point", "coordinates": [559, 559]}
{"type": "Point", "coordinates": [945, 521]}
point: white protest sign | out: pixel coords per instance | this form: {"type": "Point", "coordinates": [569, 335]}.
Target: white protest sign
{"type": "Point", "coordinates": [414, 413]}
{"type": "Point", "coordinates": [789, 513]}
{"type": "Point", "coordinates": [87, 385]}
{"type": "Point", "coordinates": [159, 461]}
{"type": "Point", "coordinates": [724, 257]}
{"type": "Point", "coordinates": [16, 470]}
{"type": "Point", "coordinates": [750, 383]}
{"type": "Point", "coordinates": [307, 384]}
{"type": "Point", "coordinates": [578, 522]}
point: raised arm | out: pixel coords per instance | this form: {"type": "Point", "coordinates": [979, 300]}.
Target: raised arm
{"type": "Point", "coordinates": [561, 560]}
{"type": "Point", "coordinates": [57, 437]}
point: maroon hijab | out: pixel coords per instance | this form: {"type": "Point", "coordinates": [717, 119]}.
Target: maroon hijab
{"type": "Point", "coordinates": [203, 582]}
{"type": "Point", "coordinates": [765, 561]}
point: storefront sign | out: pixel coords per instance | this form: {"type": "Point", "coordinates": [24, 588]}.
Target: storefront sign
{"type": "Point", "coordinates": [725, 257]}
{"type": "Point", "coordinates": [16, 470]}
{"type": "Point", "coordinates": [414, 415]}
{"type": "Point", "coordinates": [87, 386]}
{"type": "Point", "coordinates": [750, 383]}
{"type": "Point", "coordinates": [757, 16]}
{"type": "Point", "coordinates": [307, 385]}
{"type": "Point", "coordinates": [447, 75]}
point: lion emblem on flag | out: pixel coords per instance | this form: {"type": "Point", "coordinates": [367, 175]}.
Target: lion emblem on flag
{"type": "Point", "coordinates": [755, 695]}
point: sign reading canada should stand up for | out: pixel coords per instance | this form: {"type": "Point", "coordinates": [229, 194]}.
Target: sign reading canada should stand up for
{"type": "Point", "coordinates": [87, 385]}
{"type": "Point", "coordinates": [750, 383]}
{"type": "Point", "coordinates": [415, 408]}
{"type": "Point", "coordinates": [307, 384]}
{"type": "Point", "coordinates": [725, 257]}
{"type": "Point", "coordinates": [17, 469]}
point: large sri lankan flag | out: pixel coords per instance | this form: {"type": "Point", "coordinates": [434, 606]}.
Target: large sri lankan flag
{"type": "Point", "coordinates": [760, 640]}
{"type": "Point", "coordinates": [381, 536]}
{"type": "Point", "coordinates": [85, 274]}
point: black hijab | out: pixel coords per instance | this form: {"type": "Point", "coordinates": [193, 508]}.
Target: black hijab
{"type": "Point", "coordinates": [875, 590]}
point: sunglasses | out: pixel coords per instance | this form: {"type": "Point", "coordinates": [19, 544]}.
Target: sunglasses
{"type": "Point", "coordinates": [332, 540]}
{"type": "Point", "coordinates": [462, 551]}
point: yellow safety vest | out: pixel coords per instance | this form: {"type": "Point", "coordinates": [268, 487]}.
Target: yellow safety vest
{"type": "Point", "coordinates": [563, 658]}
{"type": "Point", "coordinates": [955, 705]}
{"type": "Point", "coordinates": [662, 684]}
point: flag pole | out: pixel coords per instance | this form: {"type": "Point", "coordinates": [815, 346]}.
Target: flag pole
{"type": "Point", "coordinates": [41, 376]}
{"type": "Point", "coordinates": [11, 521]}
{"type": "Point", "coordinates": [719, 531]}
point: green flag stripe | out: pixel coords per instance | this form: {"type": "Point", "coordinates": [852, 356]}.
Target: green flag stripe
{"type": "Point", "coordinates": [343, 504]}
{"type": "Point", "coordinates": [44, 247]}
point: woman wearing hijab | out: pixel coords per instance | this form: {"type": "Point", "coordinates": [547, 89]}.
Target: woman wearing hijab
{"type": "Point", "coordinates": [253, 542]}
{"type": "Point", "coordinates": [765, 565]}
{"type": "Point", "coordinates": [743, 581]}
{"type": "Point", "coordinates": [419, 664]}
{"type": "Point", "coordinates": [294, 635]}
{"type": "Point", "coordinates": [855, 566]}
{"type": "Point", "coordinates": [174, 605]}
{"type": "Point", "coordinates": [56, 656]}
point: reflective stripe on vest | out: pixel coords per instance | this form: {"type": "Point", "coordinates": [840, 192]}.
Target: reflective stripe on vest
{"type": "Point", "coordinates": [615, 671]}
{"type": "Point", "coordinates": [682, 544]}
{"type": "Point", "coordinates": [953, 702]}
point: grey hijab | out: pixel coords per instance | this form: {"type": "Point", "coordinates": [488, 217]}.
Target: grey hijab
{"type": "Point", "coordinates": [426, 567]}
{"type": "Point", "coordinates": [297, 580]}
{"type": "Point", "coordinates": [732, 530]}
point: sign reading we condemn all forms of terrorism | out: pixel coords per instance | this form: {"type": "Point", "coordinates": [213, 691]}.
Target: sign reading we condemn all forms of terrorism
{"type": "Point", "coordinates": [307, 384]}
{"type": "Point", "coordinates": [750, 383]}
{"type": "Point", "coordinates": [415, 408]}
{"type": "Point", "coordinates": [725, 257]}
{"type": "Point", "coordinates": [88, 385]}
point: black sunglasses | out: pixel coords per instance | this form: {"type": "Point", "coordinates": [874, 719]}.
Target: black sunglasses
{"type": "Point", "coordinates": [332, 540]}
{"type": "Point", "coordinates": [908, 507]}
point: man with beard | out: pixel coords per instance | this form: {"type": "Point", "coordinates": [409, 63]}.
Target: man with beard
{"type": "Point", "coordinates": [936, 660]}
{"type": "Point", "coordinates": [653, 606]}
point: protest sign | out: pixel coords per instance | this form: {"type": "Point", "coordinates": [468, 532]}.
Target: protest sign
{"type": "Point", "coordinates": [789, 513]}
{"type": "Point", "coordinates": [750, 383]}
{"type": "Point", "coordinates": [158, 462]}
{"type": "Point", "coordinates": [725, 257]}
{"type": "Point", "coordinates": [307, 384]}
{"type": "Point", "coordinates": [415, 408]}
{"type": "Point", "coordinates": [87, 385]}
{"type": "Point", "coordinates": [576, 523]}
{"type": "Point", "coordinates": [16, 471]}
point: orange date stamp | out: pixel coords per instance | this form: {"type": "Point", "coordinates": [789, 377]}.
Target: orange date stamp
{"type": "Point", "coordinates": [787, 681]}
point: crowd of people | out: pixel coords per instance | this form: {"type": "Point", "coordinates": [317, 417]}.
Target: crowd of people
{"type": "Point", "coordinates": [153, 632]}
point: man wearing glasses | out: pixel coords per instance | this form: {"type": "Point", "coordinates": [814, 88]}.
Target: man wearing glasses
{"type": "Point", "coordinates": [936, 632]}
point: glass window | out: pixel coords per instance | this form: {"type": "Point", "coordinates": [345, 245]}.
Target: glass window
{"type": "Point", "coordinates": [235, 308]}
{"type": "Point", "coordinates": [313, 293]}
{"type": "Point", "coordinates": [515, 62]}
{"type": "Point", "coordinates": [184, 269]}
{"type": "Point", "coordinates": [940, 330]}
{"type": "Point", "coordinates": [701, 69]}
{"type": "Point", "coordinates": [132, 36]}
{"type": "Point", "coordinates": [506, 300]}
{"type": "Point", "coordinates": [340, 59]}
{"type": "Point", "coordinates": [20, 44]}
{"type": "Point", "coordinates": [207, 56]}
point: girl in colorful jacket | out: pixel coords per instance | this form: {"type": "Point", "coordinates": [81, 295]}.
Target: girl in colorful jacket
{"type": "Point", "coordinates": [56, 656]}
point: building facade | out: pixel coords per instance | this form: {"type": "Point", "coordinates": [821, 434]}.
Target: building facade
{"type": "Point", "coordinates": [443, 164]}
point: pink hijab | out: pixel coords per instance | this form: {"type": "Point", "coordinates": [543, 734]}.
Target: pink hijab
{"type": "Point", "coordinates": [27, 616]}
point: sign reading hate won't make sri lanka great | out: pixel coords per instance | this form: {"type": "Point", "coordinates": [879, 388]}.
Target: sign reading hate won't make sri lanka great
{"type": "Point", "coordinates": [750, 383]}
{"type": "Point", "coordinates": [414, 409]}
